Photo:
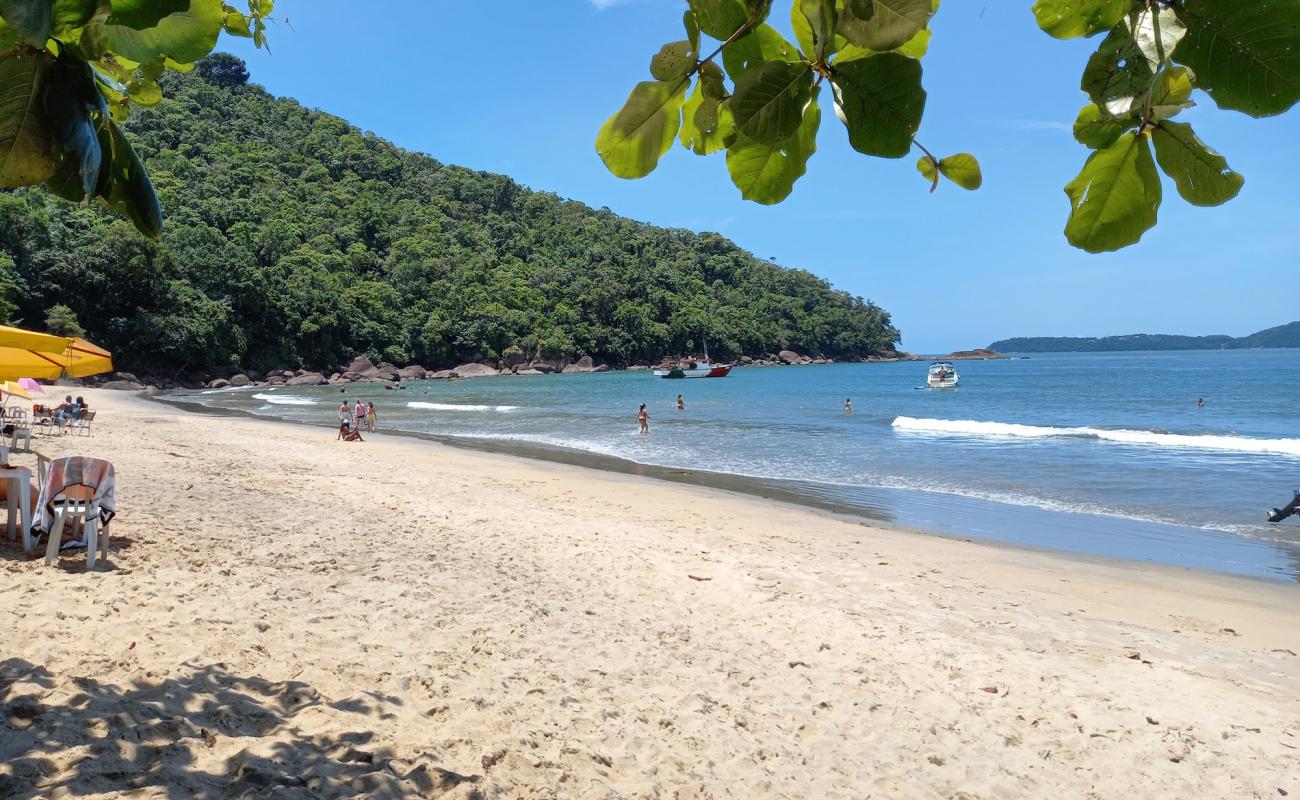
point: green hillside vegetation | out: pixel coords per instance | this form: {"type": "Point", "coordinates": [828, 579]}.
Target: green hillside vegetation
{"type": "Point", "coordinates": [294, 239]}
{"type": "Point", "coordinates": [1281, 336]}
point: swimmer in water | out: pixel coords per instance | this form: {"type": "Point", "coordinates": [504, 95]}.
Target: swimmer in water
{"type": "Point", "coordinates": [643, 417]}
{"type": "Point", "coordinates": [848, 405]}
{"type": "Point", "coordinates": [681, 404]}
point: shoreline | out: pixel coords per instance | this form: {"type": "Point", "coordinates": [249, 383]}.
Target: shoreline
{"type": "Point", "coordinates": [913, 511]}
{"type": "Point", "coordinates": [283, 612]}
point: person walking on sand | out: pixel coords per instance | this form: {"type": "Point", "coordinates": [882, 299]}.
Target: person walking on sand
{"type": "Point", "coordinates": [643, 417]}
{"type": "Point", "coordinates": [681, 404]}
{"type": "Point", "coordinates": [345, 419]}
{"type": "Point", "coordinates": [370, 417]}
{"type": "Point", "coordinates": [359, 415]}
{"type": "Point", "coordinates": [848, 405]}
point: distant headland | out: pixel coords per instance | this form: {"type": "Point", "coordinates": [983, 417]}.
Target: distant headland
{"type": "Point", "coordinates": [1280, 336]}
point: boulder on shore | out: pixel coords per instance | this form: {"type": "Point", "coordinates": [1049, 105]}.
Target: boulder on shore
{"type": "Point", "coordinates": [584, 364]}
{"type": "Point", "coordinates": [125, 376]}
{"type": "Point", "coordinates": [512, 357]}
{"type": "Point", "coordinates": [413, 372]}
{"type": "Point", "coordinates": [240, 380]}
{"type": "Point", "coordinates": [474, 370]}
{"type": "Point", "coordinates": [361, 365]}
{"type": "Point", "coordinates": [216, 383]}
{"type": "Point", "coordinates": [307, 379]}
{"type": "Point", "coordinates": [788, 357]}
{"type": "Point", "coordinates": [746, 360]}
{"type": "Point", "coordinates": [527, 371]}
{"type": "Point", "coordinates": [125, 385]}
{"type": "Point", "coordinates": [442, 374]}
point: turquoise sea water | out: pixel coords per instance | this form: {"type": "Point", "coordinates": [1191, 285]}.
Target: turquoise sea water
{"type": "Point", "coordinates": [1095, 453]}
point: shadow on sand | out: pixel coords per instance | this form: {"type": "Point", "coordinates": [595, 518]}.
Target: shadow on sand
{"type": "Point", "coordinates": [204, 733]}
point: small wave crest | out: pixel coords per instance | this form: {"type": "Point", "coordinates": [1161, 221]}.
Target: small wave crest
{"type": "Point", "coordinates": [285, 399]}
{"type": "Point", "coordinates": [458, 407]}
{"type": "Point", "coordinates": [968, 427]}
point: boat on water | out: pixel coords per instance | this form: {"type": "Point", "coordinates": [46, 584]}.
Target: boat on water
{"type": "Point", "coordinates": [692, 368]}
{"type": "Point", "coordinates": [943, 375]}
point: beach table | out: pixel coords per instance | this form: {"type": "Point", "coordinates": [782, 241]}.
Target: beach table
{"type": "Point", "coordinates": [20, 501]}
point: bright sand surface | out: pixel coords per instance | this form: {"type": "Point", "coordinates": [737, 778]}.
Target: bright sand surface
{"type": "Point", "coordinates": [286, 615]}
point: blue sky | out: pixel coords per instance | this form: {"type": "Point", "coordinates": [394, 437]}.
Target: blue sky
{"type": "Point", "coordinates": [521, 87]}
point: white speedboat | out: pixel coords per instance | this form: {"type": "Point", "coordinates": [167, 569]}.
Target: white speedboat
{"type": "Point", "coordinates": [943, 375]}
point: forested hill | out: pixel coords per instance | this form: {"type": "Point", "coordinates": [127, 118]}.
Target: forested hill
{"type": "Point", "coordinates": [1280, 336]}
{"type": "Point", "coordinates": [294, 239]}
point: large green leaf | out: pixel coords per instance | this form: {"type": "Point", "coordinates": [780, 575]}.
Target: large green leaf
{"type": "Point", "coordinates": [673, 61]}
{"type": "Point", "coordinates": [28, 19]}
{"type": "Point", "coordinates": [720, 18]}
{"type": "Point", "coordinates": [27, 152]}
{"type": "Point", "coordinates": [633, 140]}
{"type": "Point", "coordinates": [1201, 175]}
{"type": "Point", "coordinates": [184, 37]}
{"type": "Point", "coordinates": [707, 124]}
{"type": "Point", "coordinates": [769, 101]}
{"type": "Point", "coordinates": [1246, 53]}
{"type": "Point", "coordinates": [760, 45]}
{"type": "Point", "coordinates": [1172, 92]}
{"type": "Point", "coordinates": [891, 24]}
{"type": "Point", "coordinates": [1066, 19]}
{"type": "Point", "coordinates": [1114, 199]}
{"type": "Point", "coordinates": [1094, 130]}
{"type": "Point", "coordinates": [141, 14]}
{"type": "Point", "coordinates": [1156, 31]}
{"type": "Point", "coordinates": [881, 101]}
{"type": "Point", "coordinates": [129, 191]}
{"type": "Point", "coordinates": [820, 16]}
{"type": "Point", "coordinates": [70, 101]}
{"type": "Point", "coordinates": [766, 173]}
{"type": "Point", "coordinates": [1117, 73]}
{"type": "Point", "coordinates": [69, 15]}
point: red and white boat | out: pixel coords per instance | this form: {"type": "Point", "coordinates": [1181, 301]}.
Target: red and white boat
{"type": "Point", "coordinates": [690, 368]}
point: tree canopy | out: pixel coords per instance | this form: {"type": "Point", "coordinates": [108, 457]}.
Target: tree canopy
{"type": "Point", "coordinates": [295, 239]}
{"type": "Point", "coordinates": [1244, 54]}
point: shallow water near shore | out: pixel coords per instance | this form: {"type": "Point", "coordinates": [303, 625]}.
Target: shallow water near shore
{"type": "Point", "coordinates": [1103, 453]}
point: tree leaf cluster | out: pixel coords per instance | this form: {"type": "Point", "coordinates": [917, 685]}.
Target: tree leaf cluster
{"type": "Point", "coordinates": [1244, 54]}
{"type": "Point", "coordinates": [755, 95]}
{"type": "Point", "coordinates": [294, 239]}
{"type": "Point", "coordinates": [71, 70]}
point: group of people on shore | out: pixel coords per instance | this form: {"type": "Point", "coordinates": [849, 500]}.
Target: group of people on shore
{"type": "Point", "coordinates": [352, 420]}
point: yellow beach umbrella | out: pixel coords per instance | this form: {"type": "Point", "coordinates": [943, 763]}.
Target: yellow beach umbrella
{"type": "Point", "coordinates": [15, 389]}
{"type": "Point", "coordinates": [27, 354]}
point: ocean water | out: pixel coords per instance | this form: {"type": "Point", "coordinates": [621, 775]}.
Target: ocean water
{"type": "Point", "coordinates": [1098, 453]}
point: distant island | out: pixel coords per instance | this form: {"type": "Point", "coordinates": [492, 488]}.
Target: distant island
{"type": "Point", "coordinates": [1280, 336]}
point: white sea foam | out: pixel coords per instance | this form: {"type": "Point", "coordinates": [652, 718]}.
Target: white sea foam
{"type": "Point", "coordinates": [458, 407]}
{"type": "Point", "coordinates": [286, 399]}
{"type": "Point", "coordinates": [1236, 444]}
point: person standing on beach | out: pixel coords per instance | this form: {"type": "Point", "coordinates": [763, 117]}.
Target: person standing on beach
{"type": "Point", "coordinates": [643, 417]}
{"type": "Point", "coordinates": [359, 415]}
{"type": "Point", "coordinates": [848, 405]}
{"type": "Point", "coordinates": [345, 419]}
{"type": "Point", "coordinates": [681, 404]}
{"type": "Point", "coordinates": [370, 417]}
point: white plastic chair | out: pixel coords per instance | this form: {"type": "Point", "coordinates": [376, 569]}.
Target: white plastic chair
{"type": "Point", "coordinates": [83, 514]}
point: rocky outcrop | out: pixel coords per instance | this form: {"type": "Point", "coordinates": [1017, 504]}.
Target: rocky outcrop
{"type": "Point", "coordinates": [526, 371]}
{"type": "Point", "coordinates": [218, 383]}
{"type": "Point", "coordinates": [122, 385]}
{"type": "Point", "coordinates": [584, 364]}
{"type": "Point", "coordinates": [240, 379]}
{"type": "Point", "coordinates": [474, 370]}
{"type": "Point", "coordinates": [512, 357]}
{"type": "Point", "coordinates": [977, 354]}
{"type": "Point", "coordinates": [789, 357]}
{"type": "Point", "coordinates": [442, 375]}
{"type": "Point", "coordinates": [306, 379]}
{"type": "Point", "coordinates": [361, 365]}
{"type": "Point", "coordinates": [125, 376]}
{"type": "Point", "coordinates": [746, 360]}
{"type": "Point", "coordinates": [413, 372]}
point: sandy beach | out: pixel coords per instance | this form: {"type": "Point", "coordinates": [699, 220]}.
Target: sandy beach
{"type": "Point", "coordinates": [284, 615]}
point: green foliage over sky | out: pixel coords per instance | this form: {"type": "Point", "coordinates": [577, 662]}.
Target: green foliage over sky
{"type": "Point", "coordinates": [70, 72]}
{"type": "Point", "coordinates": [1244, 54]}
{"type": "Point", "coordinates": [293, 239]}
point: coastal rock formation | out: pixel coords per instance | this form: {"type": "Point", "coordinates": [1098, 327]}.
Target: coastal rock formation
{"type": "Point", "coordinates": [218, 383]}
{"type": "Point", "coordinates": [473, 370]}
{"type": "Point", "coordinates": [413, 372]}
{"type": "Point", "coordinates": [584, 364]}
{"type": "Point", "coordinates": [746, 360]}
{"type": "Point", "coordinates": [125, 376]}
{"type": "Point", "coordinates": [240, 380]}
{"type": "Point", "coordinates": [306, 379]}
{"type": "Point", "coordinates": [122, 385]}
{"type": "Point", "coordinates": [526, 371]}
{"type": "Point", "coordinates": [360, 365]}
{"type": "Point", "coordinates": [512, 357]}
{"type": "Point", "coordinates": [442, 375]}
{"type": "Point", "coordinates": [788, 357]}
